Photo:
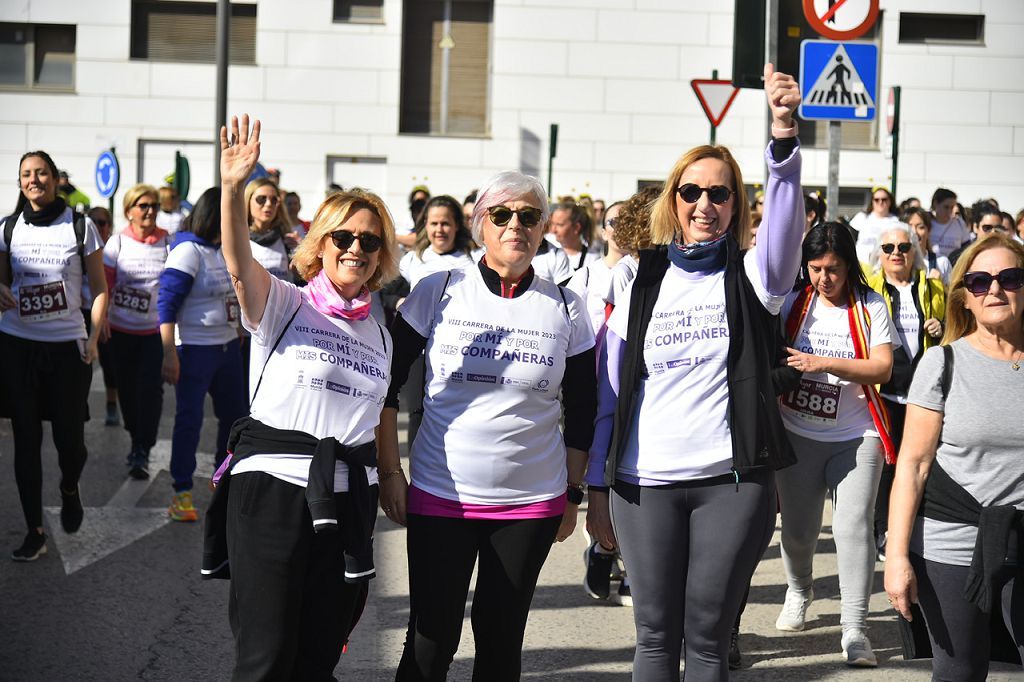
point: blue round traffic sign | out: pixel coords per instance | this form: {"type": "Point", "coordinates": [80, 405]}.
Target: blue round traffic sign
{"type": "Point", "coordinates": [108, 174]}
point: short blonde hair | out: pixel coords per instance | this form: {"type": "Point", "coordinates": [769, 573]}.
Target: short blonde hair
{"type": "Point", "coordinates": [959, 320]}
{"type": "Point", "coordinates": [664, 221]}
{"type": "Point", "coordinates": [132, 196]}
{"type": "Point", "coordinates": [280, 221]}
{"type": "Point", "coordinates": [332, 214]}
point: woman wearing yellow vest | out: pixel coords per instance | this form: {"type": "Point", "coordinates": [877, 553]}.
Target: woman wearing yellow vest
{"type": "Point", "coordinates": [917, 306]}
{"type": "Point", "coordinates": [841, 338]}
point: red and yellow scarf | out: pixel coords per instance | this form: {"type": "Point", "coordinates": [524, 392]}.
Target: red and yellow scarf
{"type": "Point", "coordinates": [860, 325]}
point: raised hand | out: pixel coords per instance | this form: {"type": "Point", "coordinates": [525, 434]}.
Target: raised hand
{"type": "Point", "coordinates": [783, 95]}
{"type": "Point", "coordinates": [240, 152]}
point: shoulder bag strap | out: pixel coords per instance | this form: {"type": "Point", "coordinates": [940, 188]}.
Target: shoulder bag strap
{"type": "Point", "coordinates": [277, 343]}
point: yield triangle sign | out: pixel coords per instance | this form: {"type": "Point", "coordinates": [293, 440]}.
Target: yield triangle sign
{"type": "Point", "coordinates": [715, 97]}
{"type": "Point", "coordinates": [839, 84]}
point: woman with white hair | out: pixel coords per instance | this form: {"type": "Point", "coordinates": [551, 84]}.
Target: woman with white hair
{"type": "Point", "coordinates": [493, 479]}
{"type": "Point", "coordinates": [917, 306]}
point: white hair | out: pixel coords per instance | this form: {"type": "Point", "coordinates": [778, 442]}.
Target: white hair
{"type": "Point", "coordinates": [507, 186]}
{"type": "Point", "coordinates": [918, 257]}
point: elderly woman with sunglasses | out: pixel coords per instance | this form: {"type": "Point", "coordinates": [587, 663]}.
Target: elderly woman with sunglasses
{"type": "Point", "coordinates": [295, 504]}
{"type": "Point", "coordinates": [493, 479]}
{"type": "Point", "coordinates": [956, 516]}
{"type": "Point", "coordinates": [687, 435]}
{"type": "Point", "coordinates": [917, 306]}
{"type": "Point", "coordinates": [132, 261]}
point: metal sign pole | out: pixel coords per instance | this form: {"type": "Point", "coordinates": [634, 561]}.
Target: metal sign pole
{"type": "Point", "coordinates": [714, 77]}
{"type": "Point", "coordinates": [895, 137]}
{"type": "Point", "coordinates": [223, 34]}
{"type": "Point", "coordinates": [552, 151]}
{"type": "Point", "coordinates": [835, 133]}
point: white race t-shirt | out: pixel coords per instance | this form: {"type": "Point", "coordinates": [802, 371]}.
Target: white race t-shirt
{"type": "Point", "coordinates": [685, 351]}
{"type": "Point", "coordinates": [209, 314]}
{"type": "Point", "coordinates": [946, 238]}
{"type": "Point", "coordinates": [494, 369]}
{"type": "Point", "coordinates": [414, 268]}
{"type": "Point", "coordinates": [825, 407]}
{"type": "Point", "coordinates": [328, 377]}
{"type": "Point", "coordinates": [47, 279]}
{"type": "Point", "coordinates": [552, 265]}
{"type": "Point", "coordinates": [138, 265]}
{"type": "Point", "coordinates": [591, 283]}
{"type": "Point", "coordinates": [621, 278]}
{"type": "Point", "coordinates": [273, 258]}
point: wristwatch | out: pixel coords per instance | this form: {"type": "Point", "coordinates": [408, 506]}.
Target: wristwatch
{"type": "Point", "coordinates": [574, 493]}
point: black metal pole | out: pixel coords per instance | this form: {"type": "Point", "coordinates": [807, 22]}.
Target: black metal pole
{"type": "Point", "coordinates": [223, 34]}
{"type": "Point", "coordinates": [552, 151]}
{"type": "Point", "coordinates": [895, 137]}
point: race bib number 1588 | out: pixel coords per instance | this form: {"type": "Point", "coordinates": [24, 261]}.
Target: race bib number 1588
{"type": "Point", "coordinates": [815, 400]}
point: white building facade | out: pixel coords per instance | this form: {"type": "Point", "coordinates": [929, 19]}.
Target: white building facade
{"type": "Point", "coordinates": [386, 94]}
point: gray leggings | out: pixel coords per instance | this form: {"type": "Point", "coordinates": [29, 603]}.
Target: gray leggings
{"type": "Point", "coordinates": [691, 549]}
{"type": "Point", "coordinates": [850, 470]}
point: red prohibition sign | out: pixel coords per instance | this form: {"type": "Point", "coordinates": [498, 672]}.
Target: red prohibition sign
{"type": "Point", "coordinates": [856, 18]}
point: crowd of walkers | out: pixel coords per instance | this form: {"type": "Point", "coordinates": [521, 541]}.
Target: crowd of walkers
{"type": "Point", "coordinates": [690, 362]}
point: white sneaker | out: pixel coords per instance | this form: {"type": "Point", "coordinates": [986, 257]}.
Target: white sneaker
{"type": "Point", "coordinates": [794, 611]}
{"type": "Point", "coordinates": [857, 650]}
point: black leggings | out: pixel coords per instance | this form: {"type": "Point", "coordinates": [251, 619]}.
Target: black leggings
{"type": "Point", "coordinates": [44, 379]}
{"type": "Point", "coordinates": [140, 388]}
{"type": "Point", "coordinates": [897, 418]}
{"type": "Point", "coordinates": [442, 553]}
{"type": "Point", "coordinates": [959, 630]}
{"type": "Point", "coordinates": [289, 605]}
{"type": "Point", "coordinates": [691, 549]}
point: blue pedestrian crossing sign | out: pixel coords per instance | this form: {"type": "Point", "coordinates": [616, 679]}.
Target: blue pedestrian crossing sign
{"type": "Point", "coordinates": [838, 80]}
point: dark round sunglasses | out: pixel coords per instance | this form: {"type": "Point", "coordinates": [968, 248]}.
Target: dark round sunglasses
{"type": "Point", "coordinates": [904, 247]}
{"type": "Point", "coordinates": [344, 239]}
{"type": "Point", "coordinates": [502, 215]}
{"type": "Point", "coordinates": [263, 198]}
{"type": "Point", "coordinates": [978, 283]}
{"type": "Point", "coordinates": [690, 193]}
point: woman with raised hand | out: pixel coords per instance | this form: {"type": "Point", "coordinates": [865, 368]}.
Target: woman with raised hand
{"type": "Point", "coordinates": [956, 515]}
{"type": "Point", "coordinates": [133, 260]}
{"type": "Point", "coordinates": [842, 340]}
{"type": "Point", "coordinates": [688, 347]}
{"type": "Point", "coordinates": [45, 352]}
{"type": "Point", "coordinates": [295, 504]}
{"type": "Point", "coordinates": [494, 481]}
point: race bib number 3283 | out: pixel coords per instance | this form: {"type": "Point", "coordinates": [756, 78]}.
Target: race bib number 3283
{"type": "Point", "coordinates": [815, 400]}
{"type": "Point", "coordinates": [42, 301]}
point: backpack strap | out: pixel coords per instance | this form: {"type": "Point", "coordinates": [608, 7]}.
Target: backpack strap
{"type": "Point", "coordinates": [947, 371]}
{"type": "Point", "coordinates": [80, 238]}
{"type": "Point", "coordinates": [565, 304]}
{"type": "Point", "coordinates": [284, 330]}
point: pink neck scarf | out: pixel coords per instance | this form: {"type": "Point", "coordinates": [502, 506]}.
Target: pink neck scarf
{"type": "Point", "coordinates": [325, 298]}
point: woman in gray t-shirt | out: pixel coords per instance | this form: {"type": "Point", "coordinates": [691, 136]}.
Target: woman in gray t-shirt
{"type": "Point", "coordinates": [970, 430]}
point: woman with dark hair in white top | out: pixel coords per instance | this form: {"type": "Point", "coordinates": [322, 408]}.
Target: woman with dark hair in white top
{"type": "Point", "coordinates": [45, 352]}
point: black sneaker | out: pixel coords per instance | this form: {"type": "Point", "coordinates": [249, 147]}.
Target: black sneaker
{"type": "Point", "coordinates": [735, 658]}
{"type": "Point", "coordinates": [32, 548]}
{"type": "Point", "coordinates": [624, 595]}
{"type": "Point", "coordinates": [112, 417]}
{"type": "Point", "coordinates": [597, 580]}
{"type": "Point", "coordinates": [139, 465]}
{"type": "Point", "coordinates": [71, 511]}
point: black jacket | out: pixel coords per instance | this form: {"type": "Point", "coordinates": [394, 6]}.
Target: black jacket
{"type": "Point", "coordinates": [758, 435]}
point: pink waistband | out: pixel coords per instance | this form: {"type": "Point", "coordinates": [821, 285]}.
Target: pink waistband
{"type": "Point", "coordinates": [422, 502]}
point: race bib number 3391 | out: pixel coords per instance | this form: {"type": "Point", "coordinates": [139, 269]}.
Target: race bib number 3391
{"type": "Point", "coordinates": [815, 401]}
{"type": "Point", "coordinates": [42, 301]}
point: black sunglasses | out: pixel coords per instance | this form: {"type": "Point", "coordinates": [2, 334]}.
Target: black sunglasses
{"type": "Point", "coordinates": [146, 207]}
{"type": "Point", "coordinates": [501, 215]}
{"type": "Point", "coordinates": [611, 223]}
{"type": "Point", "coordinates": [344, 239]}
{"type": "Point", "coordinates": [988, 228]}
{"type": "Point", "coordinates": [263, 198]}
{"type": "Point", "coordinates": [904, 247]}
{"type": "Point", "coordinates": [978, 283]}
{"type": "Point", "coordinates": [690, 193]}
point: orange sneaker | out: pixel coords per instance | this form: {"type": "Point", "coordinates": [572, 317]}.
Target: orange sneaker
{"type": "Point", "coordinates": [181, 508]}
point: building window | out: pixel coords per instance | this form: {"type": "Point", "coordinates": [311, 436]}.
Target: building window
{"type": "Point", "coordinates": [359, 11]}
{"type": "Point", "coordinates": [446, 46]}
{"type": "Point", "coordinates": [37, 57]}
{"type": "Point", "coordinates": [187, 32]}
{"type": "Point", "coordinates": [958, 29]}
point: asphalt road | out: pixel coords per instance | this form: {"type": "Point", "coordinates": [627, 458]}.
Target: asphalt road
{"type": "Point", "coordinates": [123, 600]}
